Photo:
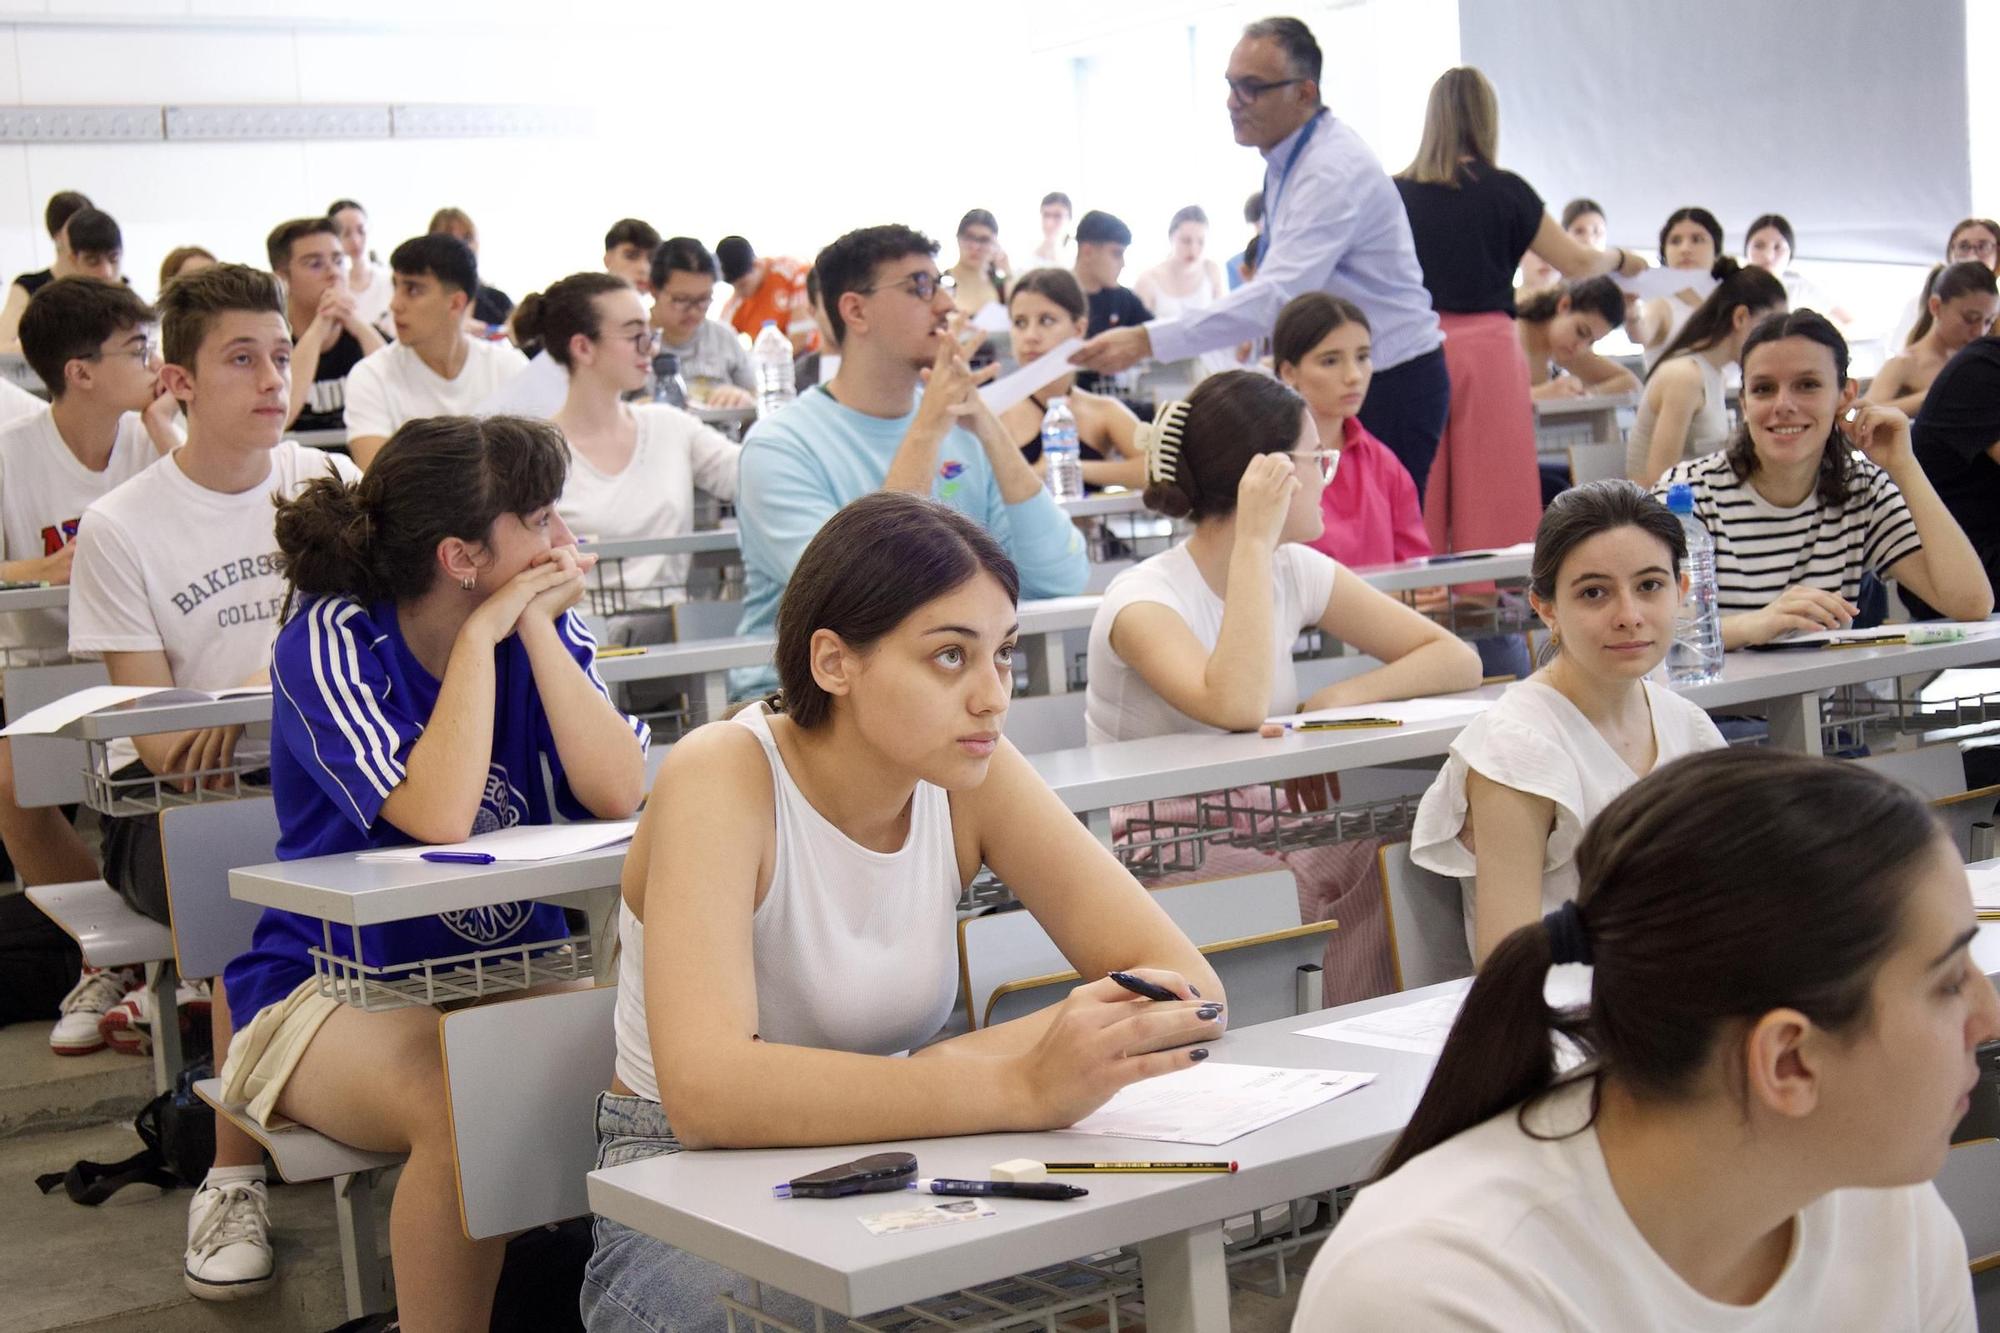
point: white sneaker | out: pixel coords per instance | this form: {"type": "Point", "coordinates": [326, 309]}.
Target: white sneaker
{"type": "Point", "coordinates": [229, 1241]}
{"type": "Point", "coordinates": [94, 995]}
{"type": "Point", "coordinates": [127, 1026]}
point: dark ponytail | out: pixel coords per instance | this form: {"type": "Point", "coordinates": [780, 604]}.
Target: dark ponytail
{"type": "Point", "coordinates": [527, 324]}
{"type": "Point", "coordinates": [1712, 892]}
{"type": "Point", "coordinates": [437, 477]}
{"type": "Point", "coordinates": [567, 308]}
{"type": "Point", "coordinates": [1737, 288]}
{"type": "Point", "coordinates": [1948, 282]}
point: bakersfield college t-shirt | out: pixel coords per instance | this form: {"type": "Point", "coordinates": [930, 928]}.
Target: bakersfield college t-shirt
{"type": "Point", "coordinates": [163, 564]}
{"type": "Point", "coordinates": [44, 490]}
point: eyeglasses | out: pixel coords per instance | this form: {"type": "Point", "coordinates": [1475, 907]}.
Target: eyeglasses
{"type": "Point", "coordinates": [644, 342]}
{"type": "Point", "coordinates": [690, 304]}
{"type": "Point", "coordinates": [145, 354]}
{"type": "Point", "coordinates": [1326, 460]}
{"type": "Point", "coordinates": [1247, 91]}
{"type": "Point", "coordinates": [977, 238]}
{"type": "Point", "coordinates": [1975, 250]}
{"type": "Point", "coordinates": [923, 286]}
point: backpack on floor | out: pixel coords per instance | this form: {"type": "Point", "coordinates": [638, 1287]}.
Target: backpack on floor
{"type": "Point", "coordinates": [178, 1130]}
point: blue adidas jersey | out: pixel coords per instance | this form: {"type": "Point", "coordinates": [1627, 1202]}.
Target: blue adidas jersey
{"type": "Point", "coordinates": [348, 702]}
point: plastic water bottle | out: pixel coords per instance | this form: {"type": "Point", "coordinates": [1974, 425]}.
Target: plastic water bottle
{"type": "Point", "coordinates": [668, 386]}
{"type": "Point", "coordinates": [1696, 655]}
{"type": "Point", "coordinates": [772, 354]}
{"type": "Point", "coordinates": [1059, 447]}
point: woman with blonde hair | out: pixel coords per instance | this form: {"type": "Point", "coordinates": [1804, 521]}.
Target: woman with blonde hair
{"type": "Point", "coordinates": [1472, 222]}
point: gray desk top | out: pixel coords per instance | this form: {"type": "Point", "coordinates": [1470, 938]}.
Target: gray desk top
{"type": "Point", "coordinates": [1576, 407]}
{"type": "Point", "coordinates": [34, 599]}
{"type": "Point", "coordinates": [1096, 506]}
{"type": "Point", "coordinates": [353, 892]}
{"type": "Point", "coordinates": [724, 538]}
{"type": "Point", "coordinates": [1511, 562]}
{"type": "Point", "coordinates": [144, 719]}
{"type": "Point", "coordinates": [718, 1204]}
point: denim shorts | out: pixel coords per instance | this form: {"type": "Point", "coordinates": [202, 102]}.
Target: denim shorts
{"type": "Point", "coordinates": [636, 1284]}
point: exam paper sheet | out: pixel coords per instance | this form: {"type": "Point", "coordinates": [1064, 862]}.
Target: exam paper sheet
{"type": "Point", "coordinates": [1419, 1028]}
{"type": "Point", "coordinates": [1214, 1103]}
{"type": "Point", "coordinates": [523, 842]}
{"type": "Point", "coordinates": [1008, 390]}
{"type": "Point", "coordinates": [1435, 709]}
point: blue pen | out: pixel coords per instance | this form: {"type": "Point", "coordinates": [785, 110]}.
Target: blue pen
{"type": "Point", "coordinates": [460, 858]}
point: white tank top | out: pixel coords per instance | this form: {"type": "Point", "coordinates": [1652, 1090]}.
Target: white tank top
{"type": "Point", "coordinates": [854, 950]}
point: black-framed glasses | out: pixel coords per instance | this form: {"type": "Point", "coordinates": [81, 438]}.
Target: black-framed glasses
{"type": "Point", "coordinates": [923, 286]}
{"type": "Point", "coordinates": [1249, 90]}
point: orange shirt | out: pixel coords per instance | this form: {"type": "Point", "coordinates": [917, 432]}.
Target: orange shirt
{"type": "Point", "coordinates": [782, 292]}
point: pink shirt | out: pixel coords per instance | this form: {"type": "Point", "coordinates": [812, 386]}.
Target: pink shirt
{"type": "Point", "coordinates": [1371, 509]}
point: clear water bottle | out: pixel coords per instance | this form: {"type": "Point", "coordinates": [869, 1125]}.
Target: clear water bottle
{"type": "Point", "coordinates": [668, 386]}
{"type": "Point", "coordinates": [1696, 655]}
{"type": "Point", "coordinates": [1064, 477]}
{"type": "Point", "coordinates": [772, 355]}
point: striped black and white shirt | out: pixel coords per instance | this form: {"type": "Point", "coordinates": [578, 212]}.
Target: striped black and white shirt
{"type": "Point", "coordinates": [1761, 548]}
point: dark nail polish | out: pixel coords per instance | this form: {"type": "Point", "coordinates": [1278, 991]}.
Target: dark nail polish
{"type": "Point", "coordinates": [1208, 1012]}
{"type": "Point", "coordinates": [1194, 990]}
{"type": "Point", "coordinates": [1198, 1053]}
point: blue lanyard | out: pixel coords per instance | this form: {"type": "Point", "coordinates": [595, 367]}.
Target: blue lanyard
{"type": "Point", "coordinates": [1272, 196]}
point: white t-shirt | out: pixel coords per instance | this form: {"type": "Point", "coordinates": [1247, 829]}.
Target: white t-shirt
{"type": "Point", "coordinates": [16, 403]}
{"type": "Point", "coordinates": [1535, 740]}
{"type": "Point", "coordinates": [392, 385]}
{"type": "Point", "coordinates": [163, 564]}
{"type": "Point", "coordinates": [44, 490]}
{"type": "Point", "coordinates": [653, 496]}
{"type": "Point", "coordinates": [1499, 1231]}
{"type": "Point", "coordinates": [1120, 706]}
{"type": "Point", "coordinates": [538, 391]}
{"type": "Point", "coordinates": [372, 305]}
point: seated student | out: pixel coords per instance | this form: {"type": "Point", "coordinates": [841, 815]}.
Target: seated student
{"type": "Point", "coordinates": [713, 361]}
{"type": "Point", "coordinates": [772, 288]}
{"type": "Point", "coordinates": [1199, 639]}
{"type": "Point", "coordinates": [1527, 776]}
{"type": "Point", "coordinates": [91, 343]}
{"type": "Point", "coordinates": [1233, 268]}
{"type": "Point", "coordinates": [1046, 307]}
{"type": "Point", "coordinates": [1321, 347]}
{"type": "Point", "coordinates": [433, 369]}
{"type": "Point", "coordinates": [88, 245]}
{"type": "Point", "coordinates": [62, 206]}
{"type": "Point", "coordinates": [1691, 241]}
{"type": "Point", "coordinates": [786, 925]}
{"type": "Point", "coordinates": [1956, 439]}
{"type": "Point", "coordinates": [1100, 257]}
{"type": "Point", "coordinates": [490, 309]}
{"type": "Point", "coordinates": [633, 466]}
{"type": "Point", "coordinates": [176, 582]}
{"type": "Point", "coordinates": [628, 252]}
{"type": "Point", "coordinates": [421, 684]}
{"type": "Point", "coordinates": [1684, 412]}
{"type": "Point", "coordinates": [1768, 244]}
{"type": "Point", "coordinates": [869, 429]}
{"type": "Point", "coordinates": [1974, 240]}
{"type": "Point", "coordinates": [977, 279]}
{"type": "Point", "coordinates": [1186, 281]}
{"type": "Point", "coordinates": [329, 337]}
{"type": "Point", "coordinates": [1798, 517]}
{"type": "Point", "coordinates": [1782, 1019]}
{"type": "Point", "coordinates": [1055, 249]}
{"type": "Point", "coordinates": [1960, 302]}
{"type": "Point", "coordinates": [1559, 328]}
{"type": "Point", "coordinates": [368, 278]}
{"type": "Point", "coordinates": [1583, 221]}
{"type": "Point", "coordinates": [184, 259]}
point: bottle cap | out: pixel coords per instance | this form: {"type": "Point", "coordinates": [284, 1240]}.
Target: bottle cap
{"type": "Point", "coordinates": [1680, 498]}
{"type": "Point", "coordinates": [770, 323]}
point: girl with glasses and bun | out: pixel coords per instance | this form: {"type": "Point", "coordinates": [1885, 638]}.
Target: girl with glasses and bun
{"type": "Point", "coordinates": [1780, 1034]}
{"type": "Point", "coordinates": [1524, 780]}
{"type": "Point", "coordinates": [787, 924]}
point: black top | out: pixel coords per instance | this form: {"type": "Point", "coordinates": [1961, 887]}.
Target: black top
{"type": "Point", "coordinates": [1470, 237]}
{"type": "Point", "coordinates": [34, 282]}
{"type": "Point", "coordinates": [492, 306]}
{"type": "Point", "coordinates": [1958, 424]}
{"type": "Point", "coordinates": [326, 405]}
{"type": "Point", "coordinates": [1110, 308]}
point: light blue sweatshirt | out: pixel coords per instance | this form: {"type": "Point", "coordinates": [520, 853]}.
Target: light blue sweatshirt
{"type": "Point", "coordinates": [803, 464]}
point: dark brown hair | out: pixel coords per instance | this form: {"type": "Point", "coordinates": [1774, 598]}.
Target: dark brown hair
{"type": "Point", "coordinates": [1947, 282]}
{"type": "Point", "coordinates": [70, 318]}
{"type": "Point", "coordinates": [864, 572]}
{"type": "Point", "coordinates": [1598, 296]}
{"type": "Point", "coordinates": [1231, 418]}
{"type": "Point", "coordinates": [437, 477]}
{"type": "Point", "coordinates": [1713, 891]}
{"type": "Point", "coordinates": [1835, 463]}
{"type": "Point", "coordinates": [1581, 512]}
{"type": "Point", "coordinates": [1306, 320]}
{"type": "Point", "coordinates": [191, 302]}
{"type": "Point", "coordinates": [278, 245]}
{"type": "Point", "coordinates": [1053, 284]}
{"type": "Point", "coordinates": [550, 319]}
{"type": "Point", "coordinates": [1738, 287]}
{"type": "Point", "coordinates": [177, 258]}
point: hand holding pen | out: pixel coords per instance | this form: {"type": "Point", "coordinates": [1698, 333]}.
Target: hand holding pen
{"type": "Point", "coordinates": [1099, 1039]}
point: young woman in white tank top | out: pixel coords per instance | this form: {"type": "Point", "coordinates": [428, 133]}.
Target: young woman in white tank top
{"type": "Point", "coordinates": [788, 909]}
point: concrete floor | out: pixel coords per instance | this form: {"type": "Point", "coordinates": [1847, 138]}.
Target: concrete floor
{"type": "Point", "coordinates": [116, 1268]}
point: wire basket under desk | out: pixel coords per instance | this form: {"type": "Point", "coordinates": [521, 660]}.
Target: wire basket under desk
{"type": "Point", "coordinates": [441, 981]}
{"type": "Point", "coordinates": [119, 793]}
{"type": "Point", "coordinates": [1082, 1296]}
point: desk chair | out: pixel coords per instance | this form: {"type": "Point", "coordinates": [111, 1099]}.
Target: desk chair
{"type": "Point", "coordinates": [1247, 927]}
{"type": "Point", "coordinates": [109, 932]}
{"type": "Point", "coordinates": [48, 770]}
{"type": "Point", "coordinates": [1596, 462]}
{"type": "Point", "coordinates": [1937, 773]}
{"type": "Point", "coordinates": [1426, 917]}
{"type": "Point", "coordinates": [521, 1083]}
{"type": "Point", "coordinates": [202, 844]}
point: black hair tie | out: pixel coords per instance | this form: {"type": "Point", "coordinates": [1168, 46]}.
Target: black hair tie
{"type": "Point", "coordinates": [1569, 942]}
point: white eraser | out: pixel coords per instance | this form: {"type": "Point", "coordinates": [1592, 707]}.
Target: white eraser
{"type": "Point", "coordinates": [1019, 1170]}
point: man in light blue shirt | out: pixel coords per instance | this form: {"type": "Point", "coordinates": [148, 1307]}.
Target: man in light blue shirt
{"type": "Point", "coordinates": [870, 429]}
{"type": "Point", "coordinates": [1333, 222]}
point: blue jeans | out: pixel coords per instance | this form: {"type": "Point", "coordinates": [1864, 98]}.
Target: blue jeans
{"type": "Point", "coordinates": [636, 1284]}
